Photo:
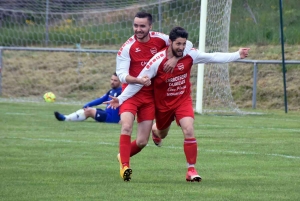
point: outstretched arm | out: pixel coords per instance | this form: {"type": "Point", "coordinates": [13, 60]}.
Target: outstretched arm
{"type": "Point", "coordinates": [218, 57]}
{"type": "Point", "coordinates": [97, 101]}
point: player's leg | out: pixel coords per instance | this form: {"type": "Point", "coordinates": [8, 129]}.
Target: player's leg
{"type": "Point", "coordinates": [190, 148]}
{"type": "Point", "coordinates": [127, 110]}
{"type": "Point", "coordinates": [145, 116]}
{"type": "Point", "coordinates": [158, 135]}
{"type": "Point", "coordinates": [127, 119]}
{"type": "Point", "coordinates": [185, 118]}
{"type": "Point", "coordinates": [162, 126]}
{"type": "Point", "coordinates": [143, 133]}
{"type": "Point", "coordinates": [75, 116]}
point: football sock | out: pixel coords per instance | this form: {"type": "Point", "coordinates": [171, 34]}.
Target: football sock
{"type": "Point", "coordinates": [76, 116]}
{"type": "Point", "coordinates": [134, 148]}
{"type": "Point", "coordinates": [124, 149]}
{"type": "Point", "coordinates": [190, 150]}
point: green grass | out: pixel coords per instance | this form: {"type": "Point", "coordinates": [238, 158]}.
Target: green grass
{"type": "Point", "coordinates": [253, 157]}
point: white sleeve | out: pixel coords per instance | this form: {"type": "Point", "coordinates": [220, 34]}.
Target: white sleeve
{"type": "Point", "coordinates": [164, 37]}
{"type": "Point", "coordinates": [129, 91]}
{"type": "Point", "coordinates": [148, 70]}
{"type": "Point", "coordinates": [123, 64]}
{"type": "Point", "coordinates": [216, 57]}
{"type": "Point", "coordinates": [188, 47]}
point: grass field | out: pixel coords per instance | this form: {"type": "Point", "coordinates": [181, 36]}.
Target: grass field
{"type": "Point", "coordinates": [252, 157]}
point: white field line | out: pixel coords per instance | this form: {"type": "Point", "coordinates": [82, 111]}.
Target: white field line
{"type": "Point", "coordinates": [249, 127]}
{"type": "Point", "coordinates": [164, 147]}
{"type": "Point", "coordinates": [17, 113]}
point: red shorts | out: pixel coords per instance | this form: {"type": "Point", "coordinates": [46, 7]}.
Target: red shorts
{"type": "Point", "coordinates": [164, 119]}
{"type": "Point", "coordinates": [143, 106]}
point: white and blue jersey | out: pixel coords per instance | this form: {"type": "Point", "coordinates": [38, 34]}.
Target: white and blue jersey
{"type": "Point", "coordinates": [108, 115]}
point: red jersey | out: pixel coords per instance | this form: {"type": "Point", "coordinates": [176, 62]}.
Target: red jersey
{"type": "Point", "coordinates": [171, 89]}
{"type": "Point", "coordinates": [134, 55]}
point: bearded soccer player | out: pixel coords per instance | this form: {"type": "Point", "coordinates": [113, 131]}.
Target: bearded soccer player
{"type": "Point", "coordinates": [131, 59]}
{"type": "Point", "coordinates": [172, 91]}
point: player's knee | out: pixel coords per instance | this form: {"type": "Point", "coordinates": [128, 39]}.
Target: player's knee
{"type": "Point", "coordinates": [90, 112]}
{"type": "Point", "coordinates": [126, 127]}
{"type": "Point", "coordinates": [141, 143]}
{"type": "Point", "coordinates": [188, 132]}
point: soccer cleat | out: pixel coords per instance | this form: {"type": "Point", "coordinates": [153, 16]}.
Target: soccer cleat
{"type": "Point", "coordinates": [59, 117]}
{"type": "Point", "coordinates": [157, 141]}
{"type": "Point", "coordinates": [119, 159]}
{"type": "Point", "coordinates": [125, 173]}
{"type": "Point", "coordinates": [192, 176]}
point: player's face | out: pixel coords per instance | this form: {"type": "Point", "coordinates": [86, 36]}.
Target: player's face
{"type": "Point", "coordinates": [114, 82]}
{"type": "Point", "coordinates": [141, 28]}
{"type": "Point", "coordinates": [178, 47]}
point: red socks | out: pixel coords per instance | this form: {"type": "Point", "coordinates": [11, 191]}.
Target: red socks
{"type": "Point", "coordinates": [124, 149]}
{"type": "Point", "coordinates": [190, 150]}
{"type": "Point", "coordinates": [134, 148]}
{"type": "Point", "coordinates": [127, 149]}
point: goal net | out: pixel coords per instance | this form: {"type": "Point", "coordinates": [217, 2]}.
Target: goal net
{"type": "Point", "coordinates": [27, 73]}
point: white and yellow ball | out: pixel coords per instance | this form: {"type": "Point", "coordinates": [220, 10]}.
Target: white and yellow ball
{"type": "Point", "coordinates": [49, 97]}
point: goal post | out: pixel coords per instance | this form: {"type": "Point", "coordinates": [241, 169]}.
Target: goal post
{"type": "Point", "coordinates": [200, 74]}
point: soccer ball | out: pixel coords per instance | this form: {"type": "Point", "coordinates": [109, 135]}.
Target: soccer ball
{"type": "Point", "coordinates": [49, 97]}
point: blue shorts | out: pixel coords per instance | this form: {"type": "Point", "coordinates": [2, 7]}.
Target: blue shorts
{"type": "Point", "coordinates": [100, 115]}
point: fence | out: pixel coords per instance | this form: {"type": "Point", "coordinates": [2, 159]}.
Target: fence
{"type": "Point", "coordinates": [254, 62]}
{"type": "Point", "coordinates": [255, 70]}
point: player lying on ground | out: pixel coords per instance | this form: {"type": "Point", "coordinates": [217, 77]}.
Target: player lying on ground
{"type": "Point", "coordinates": [108, 115]}
{"type": "Point", "coordinates": [172, 92]}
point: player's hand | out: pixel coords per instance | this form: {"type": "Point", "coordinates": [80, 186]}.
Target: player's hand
{"type": "Point", "coordinates": [113, 103]}
{"type": "Point", "coordinates": [244, 52]}
{"type": "Point", "coordinates": [145, 80]}
{"type": "Point", "coordinates": [170, 65]}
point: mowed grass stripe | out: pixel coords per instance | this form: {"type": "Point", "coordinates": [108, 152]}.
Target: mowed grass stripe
{"type": "Point", "coordinates": [164, 147]}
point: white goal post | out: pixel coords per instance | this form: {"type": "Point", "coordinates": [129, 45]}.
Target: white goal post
{"type": "Point", "coordinates": [200, 74]}
{"type": "Point", "coordinates": [103, 25]}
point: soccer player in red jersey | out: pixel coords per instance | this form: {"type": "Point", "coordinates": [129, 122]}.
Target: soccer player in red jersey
{"type": "Point", "coordinates": [131, 59]}
{"type": "Point", "coordinates": [172, 91]}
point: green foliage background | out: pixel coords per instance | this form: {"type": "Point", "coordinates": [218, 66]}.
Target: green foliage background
{"type": "Point", "coordinates": [115, 27]}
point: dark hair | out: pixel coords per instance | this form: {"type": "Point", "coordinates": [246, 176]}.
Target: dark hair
{"type": "Point", "coordinates": [178, 32]}
{"type": "Point", "coordinates": [115, 74]}
{"type": "Point", "coordinates": [143, 14]}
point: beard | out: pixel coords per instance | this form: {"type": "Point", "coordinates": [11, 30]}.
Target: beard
{"type": "Point", "coordinates": [144, 35]}
{"type": "Point", "coordinates": [177, 53]}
